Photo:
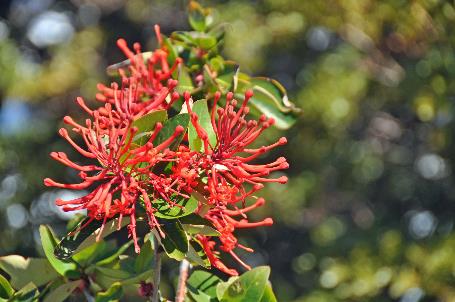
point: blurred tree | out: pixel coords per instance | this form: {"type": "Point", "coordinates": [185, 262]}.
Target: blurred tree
{"type": "Point", "coordinates": [368, 212]}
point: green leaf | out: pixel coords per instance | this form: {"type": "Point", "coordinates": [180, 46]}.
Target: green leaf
{"type": "Point", "coordinates": [194, 295]}
{"type": "Point", "coordinates": [108, 276]}
{"type": "Point", "coordinates": [268, 295]}
{"type": "Point", "coordinates": [185, 83]}
{"type": "Point", "coordinates": [115, 256]}
{"type": "Point", "coordinates": [205, 230]}
{"type": "Point", "coordinates": [227, 79]}
{"type": "Point", "coordinates": [172, 53]}
{"type": "Point", "coordinates": [184, 37]}
{"type": "Point", "coordinates": [113, 272]}
{"type": "Point", "coordinates": [201, 110]}
{"type": "Point", "coordinates": [168, 130]}
{"type": "Point", "coordinates": [202, 286]}
{"type": "Point", "coordinates": [145, 125]}
{"type": "Point", "coordinates": [195, 224]}
{"type": "Point", "coordinates": [175, 242]}
{"type": "Point", "coordinates": [196, 254]}
{"type": "Point", "coordinates": [204, 282]}
{"type": "Point", "coordinates": [114, 293]}
{"type": "Point", "coordinates": [223, 286]}
{"type": "Point", "coordinates": [197, 16]}
{"type": "Point", "coordinates": [182, 208]}
{"type": "Point", "coordinates": [62, 292]}
{"type": "Point", "coordinates": [25, 270]}
{"type": "Point", "coordinates": [76, 240]}
{"type": "Point", "coordinates": [49, 243]}
{"type": "Point", "coordinates": [90, 253]}
{"type": "Point", "coordinates": [217, 64]}
{"type": "Point", "coordinates": [28, 293]}
{"type": "Point", "coordinates": [6, 291]}
{"type": "Point", "coordinates": [269, 98]}
{"type": "Point", "coordinates": [248, 287]}
{"type": "Point", "coordinates": [112, 70]}
{"type": "Point", "coordinates": [144, 261]}
{"type": "Point", "coordinates": [203, 40]}
{"type": "Point", "coordinates": [195, 219]}
{"type": "Point", "coordinates": [138, 278]}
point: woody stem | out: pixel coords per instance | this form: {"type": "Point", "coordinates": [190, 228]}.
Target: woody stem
{"type": "Point", "coordinates": [156, 270]}
{"type": "Point", "coordinates": [183, 276]}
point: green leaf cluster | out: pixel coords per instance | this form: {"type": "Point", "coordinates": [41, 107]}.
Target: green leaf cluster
{"type": "Point", "coordinates": [250, 286]}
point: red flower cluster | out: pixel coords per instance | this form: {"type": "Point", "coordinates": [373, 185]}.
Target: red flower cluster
{"type": "Point", "coordinates": [124, 174]}
{"type": "Point", "coordinates": [231, 178]}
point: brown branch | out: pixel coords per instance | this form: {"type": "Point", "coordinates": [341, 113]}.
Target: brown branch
{"type": "Point", "coordinates": [156, 271]}
{"type": "Point", "coordinates": [183, 276]}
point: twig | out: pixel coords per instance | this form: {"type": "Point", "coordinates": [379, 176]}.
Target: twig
{"type": "Point", "coordinates": [156, 270]}
{"type": "Point", "coordinates": [88, 296]}
{"type": "Point", "coordinates": [183, 276]}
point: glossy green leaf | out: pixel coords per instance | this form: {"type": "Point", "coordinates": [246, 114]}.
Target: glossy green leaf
{"type": "Point", "coordinates": [6, 291]}
{"type": "Point", "coordinates": [217, 64]}
{"type": "Point", "coordinates": [28, 293]}
{"type": "Point", "coordinates": [227, 79]}
{"type": "Point", "coordinates": [115, 273]}
{"type": "Point", "coordinates": [269, 98]}
{"type": "Point", "coordinates": [175, 242]}
{"type": "Point", "coordinates": [196, 254]}
{"type": "Point", "coordinates": [168, 130]}
{"type": "Point", "coordinates": [172, 53]}
{"type": "Point", "coordinates": [183, 207]}
{"type": "Point", "coordinates": [138, 278]}
{"type": "Point", "coordinates": [184, 37]}
{"type": "Point", "coordinates": [185, 83]}
{"type": "Point", "coordinates": [201, 110]}
{"type": "Point", "coordinates": [76, 240]}
{"type": "Point", "coordinates": [114, 293]}
{"type": "Point", "coordinates": [115, 256]}
{"type": "Point", "coordinates": [204, 281]}
{"type": "Point", "coordinates": [248, 287]}
{"type": "Point", "coordinates": [195, 224]}
{"type": "Point", "coordinates": [205, 230]}
{"type": "Point", "coordinates": [197, 16]}
{"type": "Point", "coordinates": [203, 40]}
{"type": "Point", "coordinates": [211, 84]}
{"type": "Point", "coordinates": [268, 295]}
{"type": "Point", "coordinates": [90, 253]}
{"type": "Point", "coordinates": [145, 125]}
{"type": "Point", "coordinates": [202, 286]}
{"type": "Point", "coordinates": [223, 286]}
{"type": "Point", "coordinates": [62, 292]}
{"type": "Point", "coordinates": [195, 295]}
{"type": "Point", "coordinates": [49, 243]}
{"type": "Point", "coordinates": [105, 276]}
{"type": "Point", "coordinates": [195, 219]}
{"type": "Point", "coordinates": [25, 270]}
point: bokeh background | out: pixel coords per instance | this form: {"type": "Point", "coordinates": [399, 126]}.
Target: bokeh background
{"type": "Point", "coordinates": [368, 213]}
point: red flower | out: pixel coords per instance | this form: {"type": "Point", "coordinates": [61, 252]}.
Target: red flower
{"type": "Point", "coordinates": [155, 89]}
{"type": "Point", "coordinates": [231, 177]}
{"type": "Point", "coordinates": [223, 220]}
{"type": "Point", "coordinates": [228, 172]}
{"type": "Point", "coordinates": [121, 175]}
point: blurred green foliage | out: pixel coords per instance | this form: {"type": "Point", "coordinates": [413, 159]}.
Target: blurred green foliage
{"type": "Point", "coordinates": [368, 212]}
